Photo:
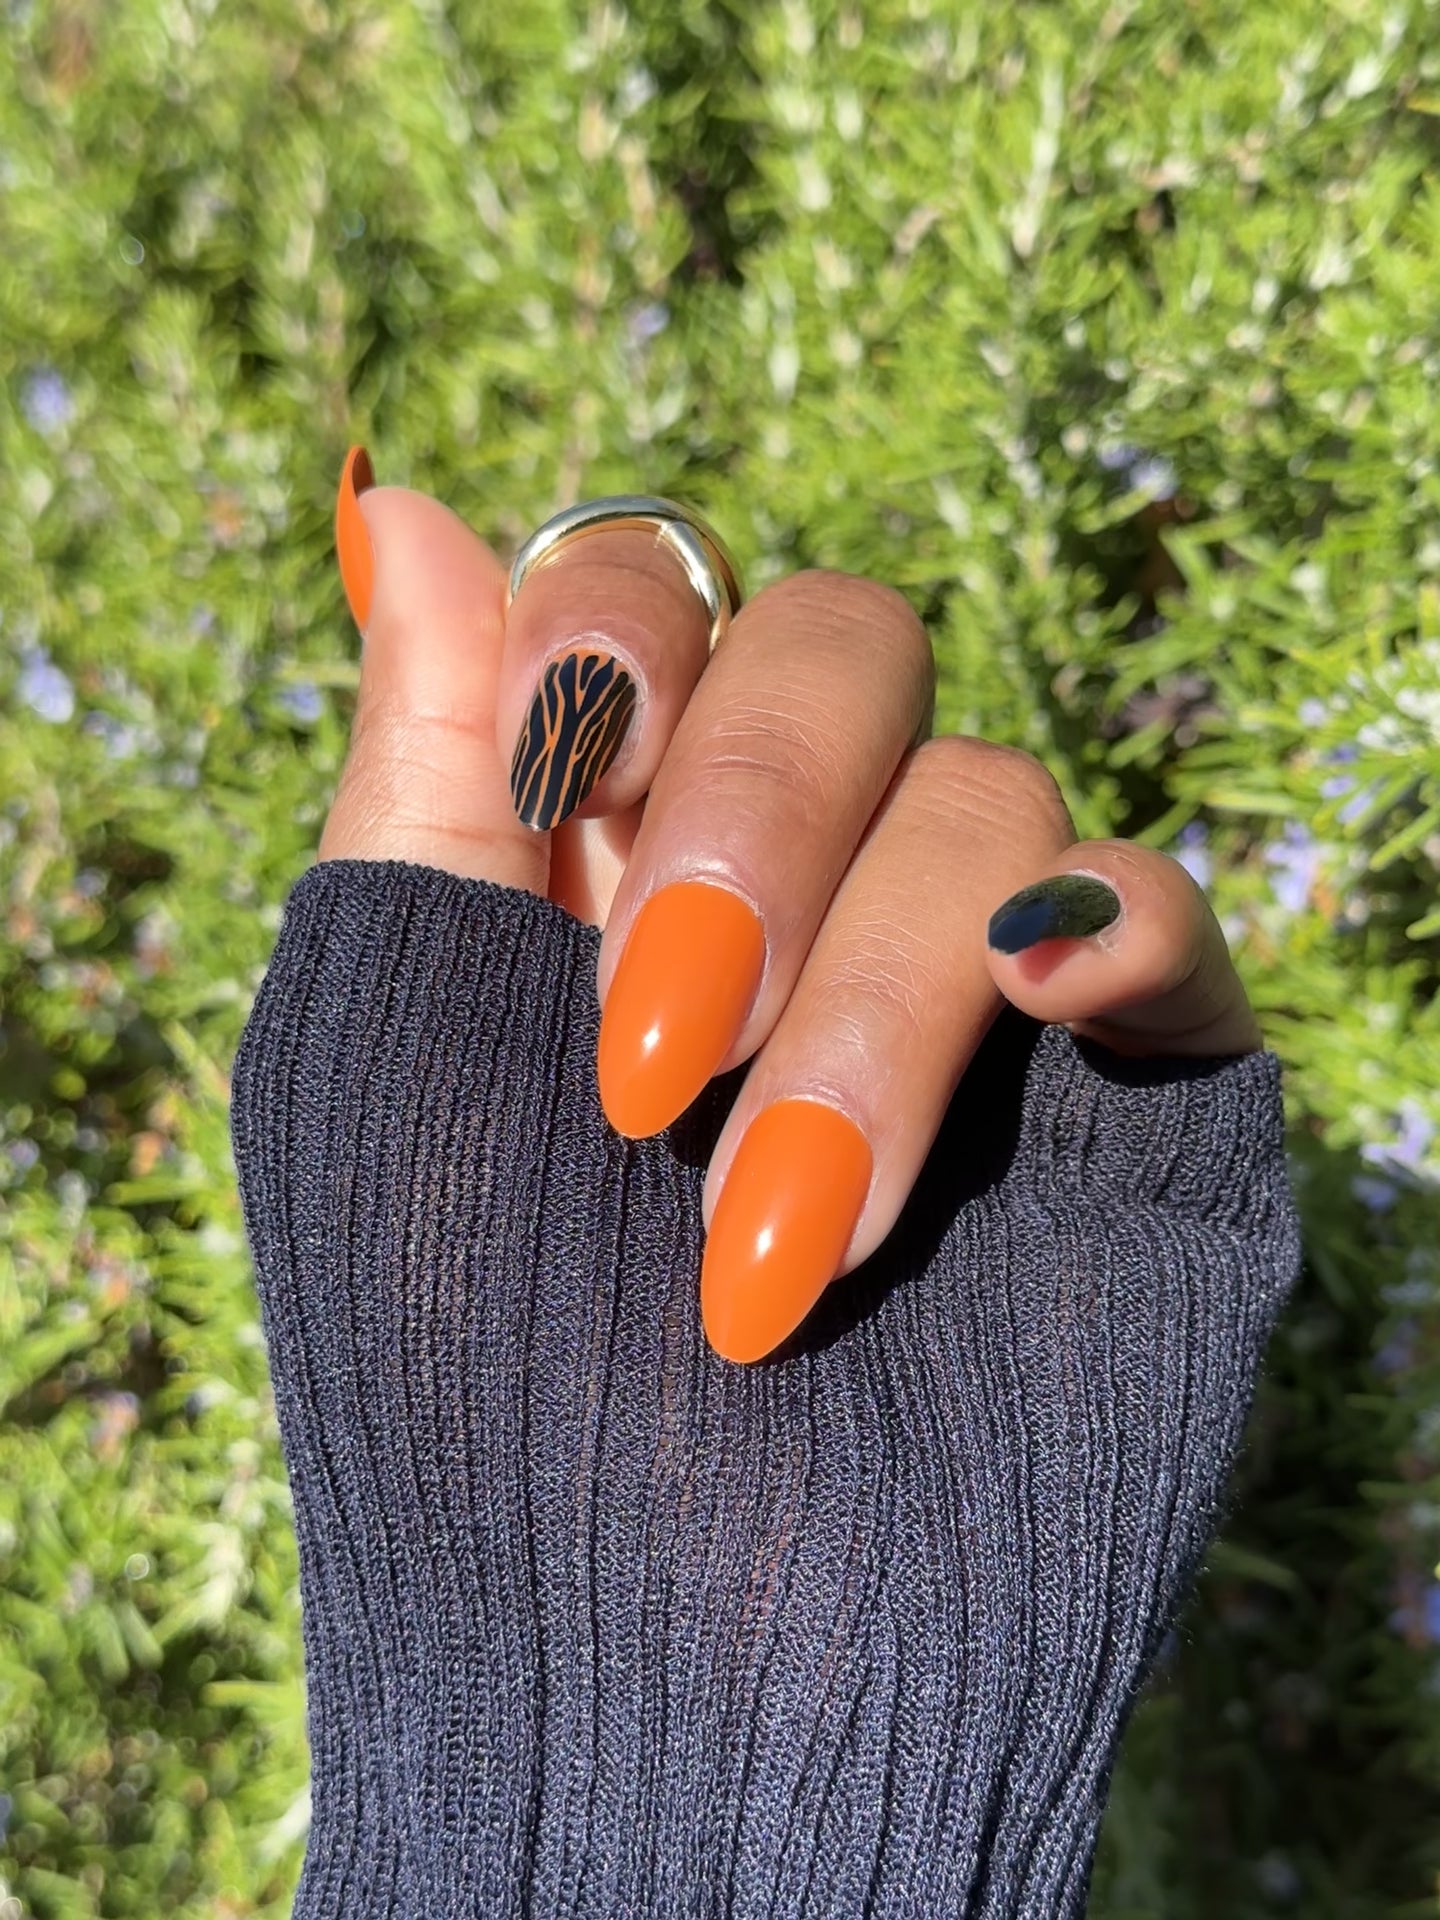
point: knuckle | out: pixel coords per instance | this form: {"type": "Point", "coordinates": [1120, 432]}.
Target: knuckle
{"type": "Point", "coordinates": [855, 609]}
{"type": "Point", "coordinates": [989, 778]}
{"type": "Point", "coordinates": [407, 765]}
{"type": "Point", "coordinates": [848, 599]}
{"type": "Point", "coordinates": [880, 976]}
{"type": "Point", "coordinates": [781, 748]}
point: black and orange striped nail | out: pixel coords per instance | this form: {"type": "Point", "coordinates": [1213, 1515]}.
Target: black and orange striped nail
{"type": "Point", "coordinates": [572, 733]}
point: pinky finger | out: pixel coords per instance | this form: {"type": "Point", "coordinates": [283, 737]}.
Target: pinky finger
{"type": "Point", "coordinates": [1119, 943]}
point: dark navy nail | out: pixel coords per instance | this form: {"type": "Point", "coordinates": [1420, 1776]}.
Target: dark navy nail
{"type": "Point", "coordinates": [1067, 907]}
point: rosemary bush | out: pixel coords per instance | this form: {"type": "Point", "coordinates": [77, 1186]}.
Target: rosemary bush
{"type": "Point", "coordinates": [1105, 329]}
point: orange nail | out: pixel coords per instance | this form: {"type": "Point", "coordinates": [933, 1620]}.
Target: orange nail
{"type": "Point", "coordinates": [352, 536]}
{"type": "Point", "coordinates": [789, 1205]}
{"type": "Point", "coordinates": [684, 985]}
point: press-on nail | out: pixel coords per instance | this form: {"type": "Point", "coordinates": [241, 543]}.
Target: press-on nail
{"type": "Point", "coordinates": [789, 1205]}
{"type": "Point", "coordinates": [572, 733]}
{"type": "Point", "coordinates": [681, 993]}
{"type": "Point", "coordinates": [1067, 906]}
{"type": "Point", "coordinates": [352, 537]}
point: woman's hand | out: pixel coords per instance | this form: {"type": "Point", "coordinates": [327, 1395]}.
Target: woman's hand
{"type": "Point", "coordinates": [854, 871]}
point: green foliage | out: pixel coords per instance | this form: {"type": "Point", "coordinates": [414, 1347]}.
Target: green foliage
{"type": "Point", "coordinates": [924, 290]}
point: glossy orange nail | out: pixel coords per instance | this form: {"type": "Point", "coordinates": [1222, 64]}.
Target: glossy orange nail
{"type": "Point", "coordinates": [790, 1203]}
{"type": "Point", "coordinates": [684, 986]}
{"type": "Point", "coordinates": [352, 536]}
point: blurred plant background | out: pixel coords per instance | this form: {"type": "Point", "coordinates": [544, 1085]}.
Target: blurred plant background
{"type": "Point", "coordinates": [1107, 329]}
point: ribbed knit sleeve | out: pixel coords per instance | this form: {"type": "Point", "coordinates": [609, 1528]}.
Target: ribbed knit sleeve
{"type": "Point", "coordinates": [598, 1623]}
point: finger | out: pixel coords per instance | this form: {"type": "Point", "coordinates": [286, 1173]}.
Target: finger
{"type": "Point", "coordinates": [843, 1102]}
{"type": "Point", "coordinates": [1119, 943]}
{"type": "Point", "coordinates": [603, 647]}
{"type": "Point", "coordinates": [775, 768]}
{"type": "Point", "coordinates": [424, 780]}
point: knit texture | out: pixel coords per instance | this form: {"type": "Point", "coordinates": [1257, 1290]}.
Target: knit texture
{"type": "Point", "coordinates": [599, 1624]}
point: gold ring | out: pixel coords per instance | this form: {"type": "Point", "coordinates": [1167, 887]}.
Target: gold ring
{"type": "Point", "coordinates": [696, 545]}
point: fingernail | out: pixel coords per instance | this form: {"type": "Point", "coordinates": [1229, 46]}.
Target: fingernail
{"type": "Point", "coordinates": [577, 720]}
{"type": "Point", "coordinates": [789, 1205]}
{"type": "Point", "coordinates": [1067, 906]}
{"type": "Point", "coordinates": [352, 536]}
{"type": "Point", "coordinates": [681, 993]}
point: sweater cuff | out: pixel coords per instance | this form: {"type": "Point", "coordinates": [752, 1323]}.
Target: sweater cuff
{"type": "Point", "coordinates": [366, 946]}
{"type": "Point", "coordinates": [1199, 1134]}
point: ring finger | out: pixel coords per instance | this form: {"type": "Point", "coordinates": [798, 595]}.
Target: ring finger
{"type": "Point", "coordinates": [842, 1105]}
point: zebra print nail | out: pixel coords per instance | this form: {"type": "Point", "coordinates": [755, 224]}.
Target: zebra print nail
{"type": "Point", "coordinates": [576, 723]}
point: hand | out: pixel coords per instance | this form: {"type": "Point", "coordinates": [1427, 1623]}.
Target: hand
{"type": "Point", "coordinates": [786, 866]}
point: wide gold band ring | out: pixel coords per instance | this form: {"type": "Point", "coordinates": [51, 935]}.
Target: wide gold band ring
{"type": "Point", "coordinates": [697, 546]}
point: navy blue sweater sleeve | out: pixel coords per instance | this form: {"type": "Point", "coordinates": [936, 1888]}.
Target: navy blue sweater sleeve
{"type": "Point", "coordinates": [599, 1624]}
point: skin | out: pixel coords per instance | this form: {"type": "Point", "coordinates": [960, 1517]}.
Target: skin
{"type": "Point", "coordinates": [797, 765]}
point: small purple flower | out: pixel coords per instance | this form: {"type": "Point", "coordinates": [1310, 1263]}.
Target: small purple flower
{"type": "Point", "coordinates": [1278, 1878]}
{"type": "Point", "coordinates": [303, 702]}
{"type": "Point", "coordinates": [1297, 861]}
{"type": "Point", "coordinates": [121, 739]}
{"type": "Point", "coordinates": [45, 401]}
{"type": "Point", "coordinates": [1353, 809]}
{"type": "Point", "coordinates": [1378, 1195]}
{"type": "Point", "coordinates": [1144, 472]}
{"type": "Point", "coordinates": [1115, 459]}
{"type": "Point", "coordinates": [1430, 1610]}
{"type": "Point", "coordinates": [24, 1154]}
{"type": "Point", "coordinates": [116, 1414]}
{"type": "Point", "coordinates": [1338, 783]}
{"type": "Point", "coordinates": [202, 619]}
{"type": "Point", "coordinates": [1193, 852]}
{"type": "Point", "coordinates": [646, 321]}
{"type": "Point", "coordinates": [1405, 1153]}
{"type": "Point", "coordinates": [1398, 1352]}
{"type": "Point", "coordinates": [44, 688]}
{"type": "Point", "coordinates": [1154, 475]}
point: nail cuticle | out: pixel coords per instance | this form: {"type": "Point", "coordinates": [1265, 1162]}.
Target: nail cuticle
{"type": "Point", "coordinates": [680, 994]}
{"type": "Point", "coordinates": [725, 884]}
{"type": "Point", "coordinates": [815, 1094]}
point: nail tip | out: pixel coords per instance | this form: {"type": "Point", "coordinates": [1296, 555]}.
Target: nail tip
{"type": "Point", "coordinates": [740, 1352]}
{"type": "Point", "coordinates": [633, 1121]}
{"type": "Point", "coordinates": [744, 1323]}
{"type": "Point", "coordinates": [362, 473]}
{"type": "Point", "coordinates": [354, 552]}
{"type": "Point", "coordinates": [756, 1290]}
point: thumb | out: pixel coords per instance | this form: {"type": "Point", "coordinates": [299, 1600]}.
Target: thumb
{"type": "Point", "coordinates": [424, 780]}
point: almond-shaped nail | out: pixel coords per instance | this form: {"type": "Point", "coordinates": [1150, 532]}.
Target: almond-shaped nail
{"type": "Point", "coordinates": [573, 731]}
{"type": "Point", "coordinates": [790, 1203]}
{"type": "Point", "coordinates": [352, 536]}
{"type": "Point", "coordinates": [681, 993]}
{"type": "Point", "coordinates": [1068, 906]}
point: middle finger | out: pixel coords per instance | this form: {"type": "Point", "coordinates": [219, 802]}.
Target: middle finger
{"type": "Point", "coordinates": [777, 764]}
